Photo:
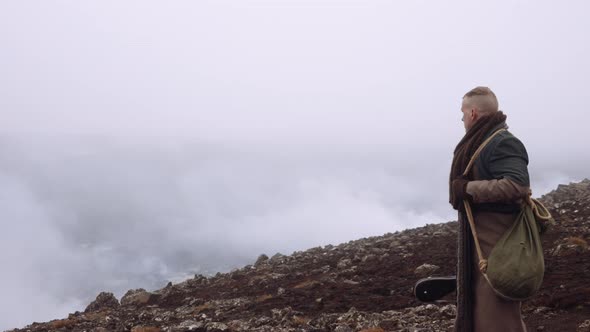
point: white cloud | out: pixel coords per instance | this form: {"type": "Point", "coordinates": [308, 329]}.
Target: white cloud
{"type": "Point", "coordinates": [34, 259]}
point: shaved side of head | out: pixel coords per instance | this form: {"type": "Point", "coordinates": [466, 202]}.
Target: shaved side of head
{"type": "Point", "coordinates": [482, 98]}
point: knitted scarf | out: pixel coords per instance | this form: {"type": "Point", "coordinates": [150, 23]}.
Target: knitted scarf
{"type": "Point", "coordinates": [469, 143]}
{"type": "Point", "coordinates": [462, 155]}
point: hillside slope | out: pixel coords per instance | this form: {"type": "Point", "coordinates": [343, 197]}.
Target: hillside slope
{"type": "Point", "coordinates": [359, 285]}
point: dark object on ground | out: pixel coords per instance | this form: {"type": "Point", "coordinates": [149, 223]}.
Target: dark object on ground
{"type": "Point", "coordinates": [434, 288]}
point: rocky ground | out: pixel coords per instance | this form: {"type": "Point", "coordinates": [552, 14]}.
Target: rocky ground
{"type": "Point", "coordinates": [363, 285]}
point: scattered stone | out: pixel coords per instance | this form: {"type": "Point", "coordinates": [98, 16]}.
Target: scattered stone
{"type": "Point", "coordinates": [368, 258]}
{"type": "Point", "coordinates": [145, 329]}
{"type": "Point", "coordinates": [99, 329]}
{"type": "Point", "coordinates": [217, 327]}
{"type": "Point", "coordinates": [449, 310]}
{"type": "Point", "coordinates": [188, 325]}
{"type": "Point", "coordinates": [351, 282]}
{"type": "Point", "coordinates": [584, 327]}
{"type": "Point", "coordinates": [138, 297]}
{"type": "Point", "coordinates": [277, 258]}
{"type": "Point", "coordinates": [425, 270]}
{"type": "Point", "coordinates": [344, 263]}
{"type": "Point", "coordinates": [261, 260]}
{"type": "Point", "coordinates": [103, 300]}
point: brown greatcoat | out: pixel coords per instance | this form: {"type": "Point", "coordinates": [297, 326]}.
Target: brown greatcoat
{"type": "Point", "coordinates": [496, 199]}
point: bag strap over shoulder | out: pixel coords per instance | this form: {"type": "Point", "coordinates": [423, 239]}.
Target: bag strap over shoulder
{"type": "Point", "coordinates": [479, 149]}
{"type": "Point", "coordinates": [483, 263]}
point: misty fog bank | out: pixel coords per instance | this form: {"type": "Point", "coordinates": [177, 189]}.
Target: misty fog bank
{"type": "Point", "coordinates": [91, 215]}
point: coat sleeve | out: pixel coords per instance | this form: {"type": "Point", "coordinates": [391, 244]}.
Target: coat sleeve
{"type": "Point", "coordinates": [508, 166]}
{"type": "Point", "coordinates": [496, 191]}
{"type": "Point", "coordinates": [509, 159]}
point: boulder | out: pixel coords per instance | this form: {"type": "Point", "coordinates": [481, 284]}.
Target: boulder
{"type": "Point", "coordinates": [261, 260]}
{"type": "Point", "coordinates": [103, 300]}
{"type": "Point", "coordinates": [425, 270]}
{"type": "Point", "coordinates": [138, 297]}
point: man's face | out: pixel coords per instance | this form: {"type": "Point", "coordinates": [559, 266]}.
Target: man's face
{"type": "Point", "coordinates": [469, 115]}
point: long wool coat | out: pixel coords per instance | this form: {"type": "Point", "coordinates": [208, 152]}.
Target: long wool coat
{"type": "Point", "coordinates": [500, 183]}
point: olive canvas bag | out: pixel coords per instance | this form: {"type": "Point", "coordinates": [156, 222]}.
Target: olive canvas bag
{"type": "Point", "coordinates": [515, 266]}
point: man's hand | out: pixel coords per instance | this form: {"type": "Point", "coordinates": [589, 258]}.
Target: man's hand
{"type": "Point", "coordinates": [459, 187]}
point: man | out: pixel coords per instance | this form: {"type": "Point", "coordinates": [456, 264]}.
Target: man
{"type": "Point", "coordinates": [495, 186]}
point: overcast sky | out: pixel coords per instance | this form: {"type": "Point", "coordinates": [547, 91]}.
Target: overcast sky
{"type": "Point", "coordinates": [142, 141]}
